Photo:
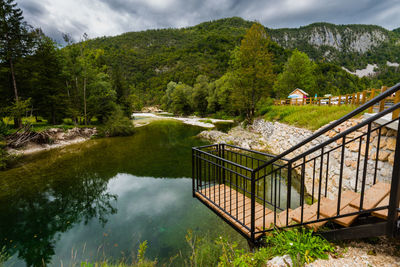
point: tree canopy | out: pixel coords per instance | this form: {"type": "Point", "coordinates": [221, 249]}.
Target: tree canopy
{"type": "Point", "coordinates": [252, 66]}
{"type": "Point", "coordinates": [298, 72]}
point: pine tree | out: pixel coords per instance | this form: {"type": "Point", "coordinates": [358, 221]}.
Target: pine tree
{"type": "Point", "coordinates": [15, 41]}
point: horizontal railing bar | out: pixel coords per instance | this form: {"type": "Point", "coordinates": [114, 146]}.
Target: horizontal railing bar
{"type": "Point", "coordinates": [205, 146]}
{"type": "Point", "coordinates": [245, 155]}
{"type": "Point", "coordinates": [354, 139]}
{"type": "Point", "coordinates": [330, 218]}
{"type": "Point", "coordinates": [221, 166]}
{"type": "Point", "coordinates": [224, 160]}
{"type": "Point", "coordinates": [253, 151]}
{"type": "Point", "coordinates": [336, 123]}
{"type": "Point", "coordinates": [352, 129]}
{"type": "Point", "coordinates": [271, 172]}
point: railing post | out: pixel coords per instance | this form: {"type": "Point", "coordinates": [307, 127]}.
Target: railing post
{"type": "Point", "coordinates": [396, 113]}
{"type": "Point", "coordinates": [199, 170]}
{"type": "Point", "coordinates": [253, 205]}
{"type": "Point", "coordinates": [394, 199]}
{"type": "Point", "coordinates": [371, 109]}
{"type": "Point", "coordinates": [364, 97]}
{"type": "Point", "coordinates": [193, 174]}
{"type": "Point", "coordinates": [382, 103]}
{"type": "Point", "coordinates": [289, 191]}
{"type": "Point", "coordinates": [223, 163]}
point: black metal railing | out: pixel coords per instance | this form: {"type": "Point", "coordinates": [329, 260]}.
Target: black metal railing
{"type": "Point", "coordinates": [318, 171]}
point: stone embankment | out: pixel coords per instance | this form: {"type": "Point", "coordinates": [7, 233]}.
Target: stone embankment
{"type": "Point", "coordinates": [276, 138]}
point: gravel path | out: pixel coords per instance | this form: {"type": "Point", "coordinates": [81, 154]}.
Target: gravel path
{"type": "Point", "coordinates": [380, 252]}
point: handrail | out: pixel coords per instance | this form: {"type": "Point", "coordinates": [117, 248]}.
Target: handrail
{"type": "Point", "coordinates": [224, 160]}
{"type": "Point", "coordinates": [352, 129]}
{"type": "Point", "coordinates": [329, 127]}
{"type": "Point", "coordinates": [252, 151]}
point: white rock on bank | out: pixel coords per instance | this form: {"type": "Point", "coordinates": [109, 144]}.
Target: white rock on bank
{"type": "Point", "coordinates": [280, 261]}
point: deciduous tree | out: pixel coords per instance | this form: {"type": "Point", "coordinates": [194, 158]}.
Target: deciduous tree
{"type": "Point", "coordinates": [298, 72]}
{"type": "Point", "coordinates": [253, 70]}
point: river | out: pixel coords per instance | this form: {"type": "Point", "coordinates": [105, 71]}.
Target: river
{"type": "Point", "coordinates": [99, 199]}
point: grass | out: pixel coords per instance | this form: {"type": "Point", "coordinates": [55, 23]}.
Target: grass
{"type": "Point", "coordinates": [300, 244]}
{"type": "Point", "coordinates": [309, 117]}
{"type": "Point", "coordinates": [206, 121]}
{"type": "Point", "coordinates": [43, 125]}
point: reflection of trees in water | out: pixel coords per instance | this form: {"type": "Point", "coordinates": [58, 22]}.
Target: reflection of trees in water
{"type": "Point", "coordinates": [31, 222]}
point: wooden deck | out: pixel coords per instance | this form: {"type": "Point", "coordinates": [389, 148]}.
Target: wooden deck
{"type": "Point", "coordinates": [235, 208]}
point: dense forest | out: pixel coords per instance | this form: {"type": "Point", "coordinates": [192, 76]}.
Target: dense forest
{"type": "Point", "coordinates": [190, 70]}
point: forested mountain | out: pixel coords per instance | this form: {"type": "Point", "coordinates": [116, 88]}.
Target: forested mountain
{"type": "Point", "coordinates": [197, 69]}
{"type": "Point", "coordinates": [150, 59]}
{"type": "Point", "coordinates": [352, 46]}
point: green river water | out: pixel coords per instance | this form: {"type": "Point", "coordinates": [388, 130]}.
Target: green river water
{"type": "Point", "coordinates": [99, 199]}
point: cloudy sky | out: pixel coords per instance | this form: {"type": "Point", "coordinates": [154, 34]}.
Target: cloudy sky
{"type": "Point", "coordinates": [112, 17]}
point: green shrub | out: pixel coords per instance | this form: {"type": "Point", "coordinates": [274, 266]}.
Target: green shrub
{"type": "Point", "coordinates": [3, 256]}
{"type": "Point", "coordinates": [117, 125]}
{"type": "Point", "coordinates": [4, 156]}
{"type": "Point", "coordinates": [301, 245]}
{"type": "Point", "coordinates": [3, 128]}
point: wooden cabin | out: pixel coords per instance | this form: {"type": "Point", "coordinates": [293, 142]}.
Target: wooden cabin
{"type": "Point", "coordinates": [298, 93]}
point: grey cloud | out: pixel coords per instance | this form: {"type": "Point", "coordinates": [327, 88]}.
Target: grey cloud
{"type": "Point", "coordinates": [32, 8]}
{"type": "Point", "coordinates": [111, 17]}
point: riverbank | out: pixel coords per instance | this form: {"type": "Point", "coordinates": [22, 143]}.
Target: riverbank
{"type": "Point", "coordinates": [143, 119]}
{"type": "Point", "coordinates": [55, 138]}
{"type": "Point", "coordinates": [59, 137]}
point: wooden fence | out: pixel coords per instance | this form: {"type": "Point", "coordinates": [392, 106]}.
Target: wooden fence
{"type": "Point", "coordinates": [358, 98]}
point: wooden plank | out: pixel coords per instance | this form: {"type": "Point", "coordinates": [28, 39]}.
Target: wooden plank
{"type": "Point", "coordinates": [316, 225]}
{"type": "Point", "coordinates": [329, 207]}
{"type": "Point", "coordinates": [383, 214]}
{"type": "Point", "coordinates": [307, 213]}
{"type": "Point", "coordinates": [229, 205]}
{"type": "Point", "coordinates": [281, 221]}
{"type": "Point", "coordinates": [310, 214]}
{"type": "Point", "coordinates": [223, 214]}
{"type": "Point", "coordinates": [297, 212]}
{"type": "Point", "coordinates": [372, 196]}
{"type": "Point", "coordinates": [346, 221]}
{"type": "Point", "coordinates": [269, 222]}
